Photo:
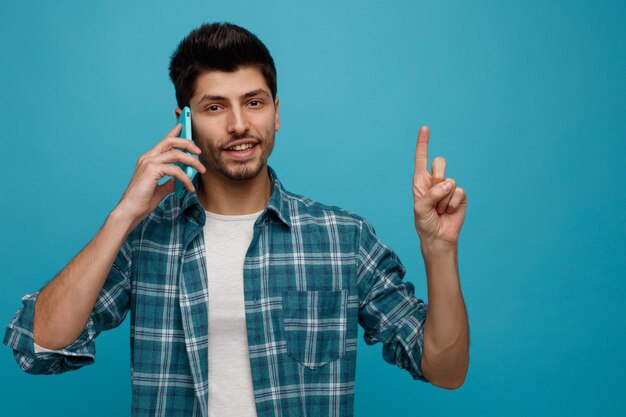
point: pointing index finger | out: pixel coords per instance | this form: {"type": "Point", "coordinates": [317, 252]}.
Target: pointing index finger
{"type": "Point", "coordinates": [421, 151]}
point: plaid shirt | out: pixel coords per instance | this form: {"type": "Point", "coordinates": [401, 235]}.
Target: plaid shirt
{"type": "Point", "coordinates": [311, 273]}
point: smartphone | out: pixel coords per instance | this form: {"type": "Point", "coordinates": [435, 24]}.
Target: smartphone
{"type": "Point", "coordinates": [185, 133]}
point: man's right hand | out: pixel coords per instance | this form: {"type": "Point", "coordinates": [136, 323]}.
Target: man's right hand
{"type": "Point", "coordinates": [143, 193]}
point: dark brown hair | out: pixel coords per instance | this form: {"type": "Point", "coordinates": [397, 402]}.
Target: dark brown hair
{"type": "Point", "coordinates": [217, 46]}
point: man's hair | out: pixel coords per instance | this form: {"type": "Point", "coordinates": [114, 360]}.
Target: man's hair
{"type": "Point", "coordinates": [222, 47]}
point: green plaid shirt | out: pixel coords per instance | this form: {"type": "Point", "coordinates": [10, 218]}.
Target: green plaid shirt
{"type": "Point", "coordinates": [311, 273]}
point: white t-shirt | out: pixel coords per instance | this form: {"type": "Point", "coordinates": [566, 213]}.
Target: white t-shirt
{"type": "Point", "coordinates": [227, 239]}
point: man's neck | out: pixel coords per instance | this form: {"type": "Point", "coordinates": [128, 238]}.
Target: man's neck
{"type": "Point", "coordinates": [221, 195]}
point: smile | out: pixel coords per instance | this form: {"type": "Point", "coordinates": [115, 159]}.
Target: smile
{"type": "Point", "coordinates": [243, 147]}
{"type": "Point", "coordinates": [241, 152]}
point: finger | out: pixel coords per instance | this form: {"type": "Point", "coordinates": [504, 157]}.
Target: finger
{"type": "Point", "coordinates": [459, 197]}
{"type": "Point", "coordinates": [175, 155]}
{"type": "Point", "coordinates": [438, 170]}
{"type": "Point", "coordinates": [175, 130]}
{"type": "Point", "coordinates": [158, 148]}
{"type": "Point", "coordinates": [173, 142]}
{"type": "Point", "coordinates": [421, 151]}
{"type": "Point", "coordinates": [442, 205]}
{"type": "Point", "coordinates": [432, 197]}
{"type": "Point", "coordinates": [175, 171]}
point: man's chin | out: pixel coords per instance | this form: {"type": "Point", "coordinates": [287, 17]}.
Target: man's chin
{"type": "Point", "coordinates": [243, 172]}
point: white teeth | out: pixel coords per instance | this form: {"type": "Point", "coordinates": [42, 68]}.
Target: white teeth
{"type": "Point", "coordinates": [241, 147]}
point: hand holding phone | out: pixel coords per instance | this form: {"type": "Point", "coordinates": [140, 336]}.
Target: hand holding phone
{"type": "Point", "coordinates": [169, 157]}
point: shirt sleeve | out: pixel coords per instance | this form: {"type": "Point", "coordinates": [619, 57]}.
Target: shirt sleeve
{"type": "Point", "coordinates": [109, 311]}
{"type": "Point", "coordinates": [388, 310]}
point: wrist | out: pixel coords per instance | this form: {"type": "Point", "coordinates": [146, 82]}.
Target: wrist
{"type": "Point", "coordinates": [438, 249]}
{"type": "Point", "coordinates": [122, 219]}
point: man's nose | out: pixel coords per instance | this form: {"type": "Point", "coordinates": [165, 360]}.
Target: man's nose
{"type": "Point", "coordinates": [237, 122]}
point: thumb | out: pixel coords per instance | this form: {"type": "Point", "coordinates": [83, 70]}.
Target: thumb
{"type": "Point", "coordinates": [163, 190]}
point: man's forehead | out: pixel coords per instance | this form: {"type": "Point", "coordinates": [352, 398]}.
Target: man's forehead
{"type": "Point", "coordinates": [230, 85]}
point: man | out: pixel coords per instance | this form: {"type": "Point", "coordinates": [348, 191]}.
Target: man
{"type": "Point", "coordinates": [245, 298]}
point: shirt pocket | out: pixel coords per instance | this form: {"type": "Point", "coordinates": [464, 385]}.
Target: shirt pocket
{"type": "Point", "coordinates": [315, 326]}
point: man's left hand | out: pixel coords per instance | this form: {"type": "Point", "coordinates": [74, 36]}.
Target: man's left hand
{"type": "Point", "coordinates": [439, 213]}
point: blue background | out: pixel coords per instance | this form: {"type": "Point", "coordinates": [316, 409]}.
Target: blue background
{"type": "Point", "coordinates": [526, 101]}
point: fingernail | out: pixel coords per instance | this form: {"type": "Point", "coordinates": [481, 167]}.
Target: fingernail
{"type": "Point", "coordinates": [446, 186]}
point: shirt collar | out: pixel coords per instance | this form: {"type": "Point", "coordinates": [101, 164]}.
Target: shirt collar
{"type": "Point", "coordinates": [278, 203]}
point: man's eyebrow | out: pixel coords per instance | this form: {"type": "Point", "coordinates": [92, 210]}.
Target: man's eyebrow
{"type": "Point", "coordinates": [211, 97]}
{"type": "Point", "coordinates": [257, 92]}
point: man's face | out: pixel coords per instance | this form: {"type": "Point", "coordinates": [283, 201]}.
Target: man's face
{"type": "Point", "coordinates": [234, 122]}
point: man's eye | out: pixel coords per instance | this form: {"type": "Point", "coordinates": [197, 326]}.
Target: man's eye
{"type": "Point", "coordinates": [255, 103]}
{"type": "Point", "coordinates": [213, 107]}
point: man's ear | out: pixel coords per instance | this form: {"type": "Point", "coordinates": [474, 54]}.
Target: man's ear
{"type": "Point", "coordinates": [277, 117]}
{"type": "Point", "coordinates": [178, 112]}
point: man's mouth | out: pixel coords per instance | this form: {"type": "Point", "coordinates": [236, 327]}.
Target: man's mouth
{"type": "Point", "coordinates": [242, 149]}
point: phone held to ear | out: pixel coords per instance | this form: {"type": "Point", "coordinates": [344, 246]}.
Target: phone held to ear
{"type": "Point", "coordinates": [185, 133]}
